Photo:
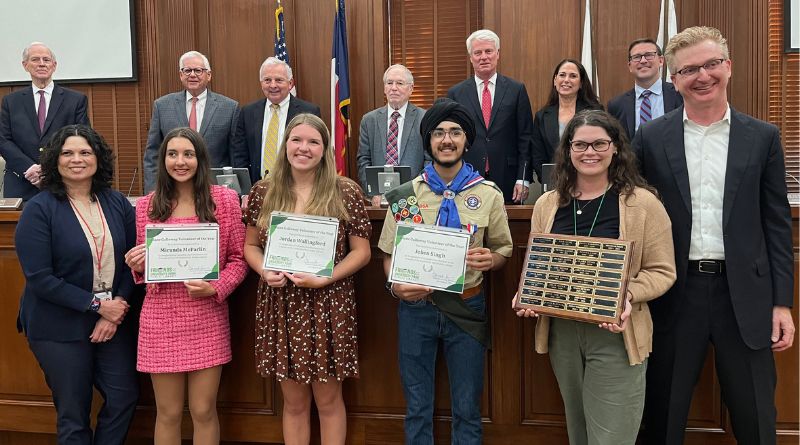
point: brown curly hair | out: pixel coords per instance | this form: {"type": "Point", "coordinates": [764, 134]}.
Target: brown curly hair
{"type": "Point", "coordinates": [623, 173]}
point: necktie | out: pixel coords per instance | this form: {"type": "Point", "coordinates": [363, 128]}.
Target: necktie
{"type": "Point", "coordinates": [193, 114]}
{"type": "Point", "coordinates": [271, 141]}
{"type": "Point", "coordinates": [486, 103]}
{"type": "Point", "coordinates": [645, 110]}
{"type": "Point", "coordinates": [392, 155]}
{"type": "Point", "coordinates": [42, 111]}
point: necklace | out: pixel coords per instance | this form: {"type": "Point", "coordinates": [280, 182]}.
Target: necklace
{"type": "Point", "coordinates": [577, 212]}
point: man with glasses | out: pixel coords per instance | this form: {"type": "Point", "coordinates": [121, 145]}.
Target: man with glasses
{"type": "Point", "coordinates": [212, 115]}
{"type": "Point", "coordinates": [28, 118]}
{"type": "Point", "coordinates": [389, 135]}
{"type": "Point", "coordinates": [650, 97]}
{"type": "Point", "coordinates": [448, 193]}
{"type": "Point", "coordinates": [259, 131]}
{"type": "Point", "coordinates": [720, 174]}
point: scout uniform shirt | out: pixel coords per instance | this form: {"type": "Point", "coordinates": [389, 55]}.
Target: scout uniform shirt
{"type": "Point", "coordinates": [482, 206]}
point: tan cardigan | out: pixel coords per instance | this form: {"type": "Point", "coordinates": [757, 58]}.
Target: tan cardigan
{"type": "Point", "coordinates": [642, 219]}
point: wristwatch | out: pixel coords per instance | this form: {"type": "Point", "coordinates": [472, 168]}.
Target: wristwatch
{"type": "Point", "coordinates": [388, 287]}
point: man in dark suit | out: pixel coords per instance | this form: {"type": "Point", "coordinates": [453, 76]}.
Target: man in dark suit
{"type": "Point", "coordinates": [501, 110]}
{"type": "Point", "coordinates": [650, 97]}
{"type": "Point", "coordinates": [30, 116]}
{"type": "Point", "coordinates": [720, 174]}
{"type": "Point", "coordinates": [260, 127]}
{"type": "Point", "coordinates": [389, 135]}
{"type": "Point", "coordinates": [213, 115]}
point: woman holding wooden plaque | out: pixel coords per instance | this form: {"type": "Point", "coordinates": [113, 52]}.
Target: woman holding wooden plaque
{"type": "Point", "coordinates": [306, 323]}
{"type": "Point", "coordinates": [184, 335]}
{"type": "Point", "coordinates": [599, 193]}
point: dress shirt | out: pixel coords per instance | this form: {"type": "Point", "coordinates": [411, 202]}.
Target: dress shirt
{"type": "Point", "coordinates": [48, 94]}
{"type": "Point", "coordinates": [492, 83]}
{"type": "Point", "coordinates": [656, 100]}
{"type": "Point", "coordinates": [201, 106]}
{"type": "Point", "coordinates": [400, 120]}
{"type": "Point", "coordinates": [283, 114]}
{"type": "Point", "coordinates": [706, 151]}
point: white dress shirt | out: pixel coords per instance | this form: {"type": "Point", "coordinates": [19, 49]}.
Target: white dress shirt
{"type": "Point", "coordinates": [283, 114]}
{"type": "Point", "coordinates": [201, 106]}
{"type": "Point", "coordinates": [706, 150]}
{"type": "Point", "coordinates": [400, 121]}
{"type": "Point", "coordinates": [48, 95]}
{"type": "Point", "coordinates": [656, 100]}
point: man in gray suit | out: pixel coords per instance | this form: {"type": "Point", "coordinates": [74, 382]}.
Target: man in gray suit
{"type": "Point", "coordinates": [213, 115]}
{"type": "Point", "coordinates": [390, 135]}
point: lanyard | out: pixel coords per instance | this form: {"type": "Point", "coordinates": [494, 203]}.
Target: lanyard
{"type": "Point", "coordinates": [98, 250]}
{"type": "Point", "coordinates": [575, 212]}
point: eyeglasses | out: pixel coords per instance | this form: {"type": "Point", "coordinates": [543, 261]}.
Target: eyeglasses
{"type": "Point", "coordinates": [692, 70]}
{"type": "Point", "coordinates": [638, 57]}
{"type": "Point", "coordinates": [189, 71]}
{"type": "Point", "coordinates": [599, 145]}
{"type": "Point", "coordinates": [455, 133]}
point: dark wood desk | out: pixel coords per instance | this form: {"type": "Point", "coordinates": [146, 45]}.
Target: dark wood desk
{"type": "Point", "coordinates": [521, 402]}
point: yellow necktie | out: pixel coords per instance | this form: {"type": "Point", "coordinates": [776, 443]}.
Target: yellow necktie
{"type": "Point", "coordinates": [271, 141]}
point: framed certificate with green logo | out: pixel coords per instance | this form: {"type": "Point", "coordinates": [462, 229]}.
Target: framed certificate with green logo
{"type": "Point", "coordinates": [430, 256]}
{"type": "Point", "coordinates": [180, 252]}
{"type": "Point", "coordinates": [301, 243]}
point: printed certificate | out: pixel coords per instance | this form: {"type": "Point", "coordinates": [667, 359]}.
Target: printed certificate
{"type": "Point", "coordinates": [301, 243]}
{"type": "Point", "coordinates": [180, 252]}
{"type": "Point", "coordinates": [431, 256]}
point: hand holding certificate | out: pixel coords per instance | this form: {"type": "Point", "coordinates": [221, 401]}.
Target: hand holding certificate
{"type": "Point", "coordinates": [430, 256]}
{"type": "Point", "coordinates": [301, 243]}
{"type": "Point", "coordinates": [180, 252]}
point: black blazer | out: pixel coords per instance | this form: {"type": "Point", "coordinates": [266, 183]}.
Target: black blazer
{"type": "Point", "coordinates": [21, 139]}
{"type": "Point", "coordinates": [623, 107]}
{"type": "Point", "coordinates": [756, 219]}
{"type": "Point", "coordinates": [57, 263]}
{"type": "Point", "coordinates": [507, 141]}
{"type": "Point", "coordinates": [545, 134]}
{"type": "Point", "coordinates": [247, 139]}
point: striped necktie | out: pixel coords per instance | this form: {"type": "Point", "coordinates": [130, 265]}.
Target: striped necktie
{"type": "Point", "coordinates": [392, 155]}
{"type": "Point", "coordinates": [646, 109]}
{"type": "Point", "coordinates": [271, 141]}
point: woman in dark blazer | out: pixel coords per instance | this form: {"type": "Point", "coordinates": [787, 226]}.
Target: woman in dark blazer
{"type": "Point", "coordinates": [571, 93]}
{"type": "Point", "coordinates": [71, 240]}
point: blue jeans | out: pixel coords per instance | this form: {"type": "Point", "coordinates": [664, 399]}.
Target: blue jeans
{"type": "Point", "coordinates": [421, 326]}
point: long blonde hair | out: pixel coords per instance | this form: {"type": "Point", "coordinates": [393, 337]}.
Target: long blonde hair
{"type": "Point", "coordinates": [326, 197]}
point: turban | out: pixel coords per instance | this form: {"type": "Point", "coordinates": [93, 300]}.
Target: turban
{"type": "Point", "coordinates": [445, 109]}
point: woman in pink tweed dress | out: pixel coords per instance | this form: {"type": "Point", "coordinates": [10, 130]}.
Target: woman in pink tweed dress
{"type": "Point", "coordinates": [184, 332]}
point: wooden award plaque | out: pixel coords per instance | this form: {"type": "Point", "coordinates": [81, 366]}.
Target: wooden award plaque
{"type": "Point", "coordinates": [575, 277]}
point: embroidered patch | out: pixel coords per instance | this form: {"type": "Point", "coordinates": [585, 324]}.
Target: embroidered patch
{"type": "Point", "coordinates": [417, 218]}
{"type": "Point", "coordinates": [395, 209]}
{"type": "Point", "coordinates": [414, 210]}
{"type": "Point", "coordinates": [472, 202]}
{"type": "Point", "coordinates": [404, 213]}
{"type": "Point", "coordinates": [402, 203]}
{"type": "Point", "coordinates": [397, 217]}
{"type": "Point", "coordinates": [412, 200]}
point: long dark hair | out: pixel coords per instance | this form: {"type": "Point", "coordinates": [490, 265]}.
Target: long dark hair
{"type": "Point", "coordinates": [623, 173]}
{"type": "Point", "coordinates": [585, 93]}
{"type": "Point", "coordinates": [51, 178]}
{"type": "Point", "coordinates": [166, 191]}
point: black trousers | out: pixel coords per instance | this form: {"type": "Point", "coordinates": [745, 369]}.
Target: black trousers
{"type": "Point", "coordinates": [73, 369]}
{"type": "Point", "coordinates": [747, 377]}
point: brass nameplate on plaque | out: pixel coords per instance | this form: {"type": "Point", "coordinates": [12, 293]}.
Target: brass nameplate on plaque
{"type": "Point", "coordinates": [575, 277]}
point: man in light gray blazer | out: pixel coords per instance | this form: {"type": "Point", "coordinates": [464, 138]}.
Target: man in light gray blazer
{"type": "Point", "coordinates": [390, 135]}
{"type": "Point", "coordinates": [213, 115]}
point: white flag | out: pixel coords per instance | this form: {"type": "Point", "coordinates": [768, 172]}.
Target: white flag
{"type": "Point", "coordinates": [672, 26]}
{"type": "Point", "coordinates": [587, 56]}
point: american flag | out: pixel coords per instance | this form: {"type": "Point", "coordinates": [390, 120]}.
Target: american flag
{"type": "Point", "coordinates": [280, 39]}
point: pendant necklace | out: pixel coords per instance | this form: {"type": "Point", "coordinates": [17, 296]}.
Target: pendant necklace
{"type": "Point", "coordinates": [577, 211]}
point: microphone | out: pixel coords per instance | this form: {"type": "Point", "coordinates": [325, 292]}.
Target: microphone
{"type": "Point", "coordinates": [133, 179]}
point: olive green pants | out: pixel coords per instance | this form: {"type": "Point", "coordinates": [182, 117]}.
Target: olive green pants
{"type": "Point", "coordinates": [603, 395]}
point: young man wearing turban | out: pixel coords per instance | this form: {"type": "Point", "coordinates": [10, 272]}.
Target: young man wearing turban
{"type": "Point", "coordinates": [448, 192]}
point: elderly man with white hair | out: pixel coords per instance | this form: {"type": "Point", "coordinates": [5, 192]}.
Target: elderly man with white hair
{"type": "Point", "coordinates": [212, 115]}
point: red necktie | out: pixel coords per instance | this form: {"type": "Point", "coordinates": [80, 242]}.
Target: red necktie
{"type": "Point", "coordinates": [42, 111]}
{"type": "Point", "coordinates": [391, 145]}
{"type": "Point", "coordinates": [486, 103]}
{"type": "Point", "coordinates": [193, 115]}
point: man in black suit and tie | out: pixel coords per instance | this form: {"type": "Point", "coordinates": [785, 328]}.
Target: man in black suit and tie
{"type": "Point", "coordinates": [720, 174]}
{"type": "Point", "coordinates": [650, 97]}
{"type": "Point", "coordinates": [501, 111]}
{"type": "Point", "coordinates": [30, 115]}
{"type": "Point", "coordinates": [259, 131]}
{"type": "Point", "coordinates": [390, 135]}
{"type": "Point", "coordinates": [213, 115]}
